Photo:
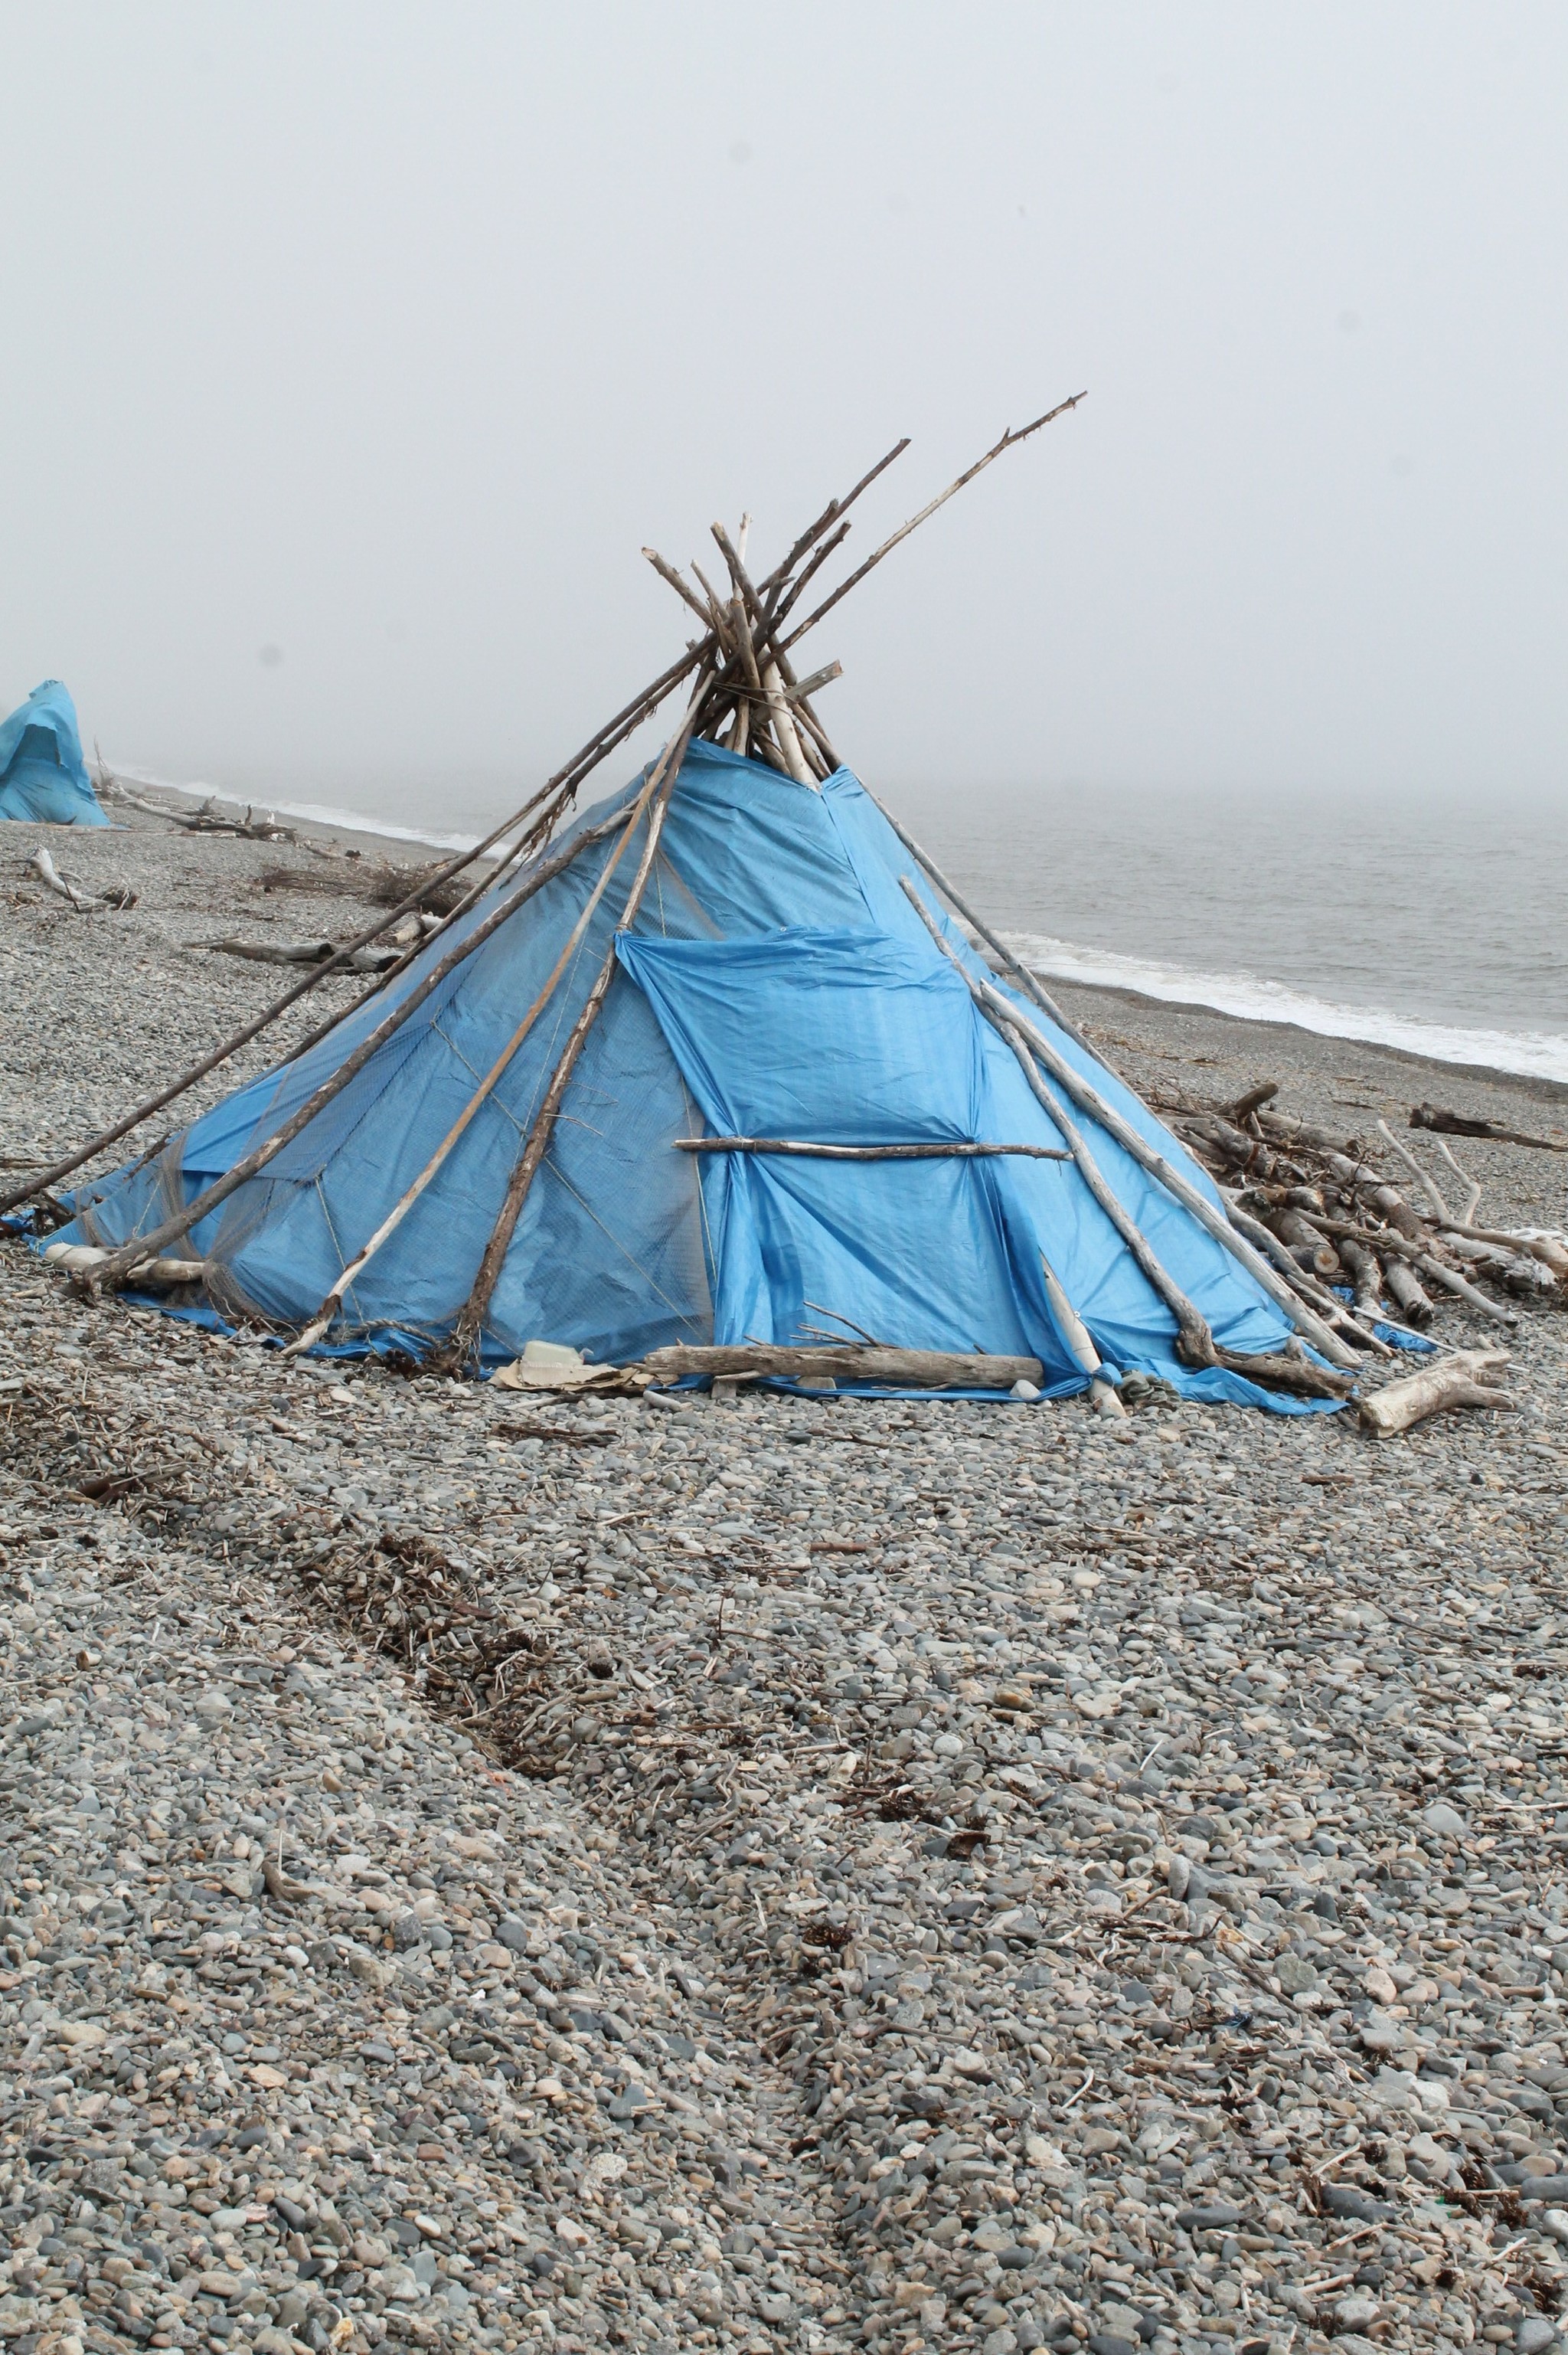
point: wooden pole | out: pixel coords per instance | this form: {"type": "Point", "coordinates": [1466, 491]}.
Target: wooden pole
{"type": "Point", "coordinates": [912, 1369]}
{"type": "Point", "coordinates": [119, 1262]}
{"type": "Point", "coordinates": [1009, 441]}
{"type": "Point", "coordinates": [1029, 982]}
{"type": "Point", "coordinates": [1089, 1099]}
{"type": "Point", "coordinates": [922, 1152]}
{"type": "Point", "coordinates": [464, 1340]}
{"type": "Point", "coordinates": [323, 1318]}
{"type": "Point", "coordinates": [557, 792]}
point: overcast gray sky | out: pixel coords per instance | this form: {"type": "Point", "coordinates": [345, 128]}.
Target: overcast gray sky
{"type": "Point", "coordinates": [351, 353]}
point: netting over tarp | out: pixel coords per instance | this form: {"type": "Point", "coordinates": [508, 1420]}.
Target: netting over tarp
{"type": "Point", "coordinates": [43, 776]}
{"type": "Point", "coordinates": [775, 981]}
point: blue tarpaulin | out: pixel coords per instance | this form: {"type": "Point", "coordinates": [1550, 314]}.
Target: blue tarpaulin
{"type": "Point", "coordinates": [776, 983]}
{"type": "Point", "coordinates": [43, 776]}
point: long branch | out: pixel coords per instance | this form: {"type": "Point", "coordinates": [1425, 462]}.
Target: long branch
{"type": "Point", "coordinates": [118, 1264]}
{"type": "Point", "coordinates": [1026, 981]}
{"type": "Point", "coordinates": [389, 1227]}
{"type": "Point", "coordinates": [564, 785]}
{"type": "Point", "coordinates": [1089, 1099]}
{"type": "Point", "coordinates": [655, 798]}
{"type": "Point", "coordinates": [1009, 440]}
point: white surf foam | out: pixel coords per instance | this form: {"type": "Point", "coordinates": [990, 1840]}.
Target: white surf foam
{"type": "Point", "coordinates": [1533, 1054]}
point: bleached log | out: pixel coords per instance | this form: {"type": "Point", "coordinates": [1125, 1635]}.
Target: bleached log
{"type": "Point", "coordinates": [271, 952]}
{"type": "Point", "coordinates": [912, 1369]}
{"type": "Point", "coordinates": [1428, 1184]}
{"type": "Point", "coordinates": [152, 1275]}
{"type": "Point", "coordinates": [1454, 1124]}
{"type": "Point", "coordinates": [1365, 1273]}
{"type": "Point", "coordinates": [86, 903]}
{"type": "Point", "coordinates": [1467, 1378]}
{"type": "Point", "coordinates": [1405, 1288]}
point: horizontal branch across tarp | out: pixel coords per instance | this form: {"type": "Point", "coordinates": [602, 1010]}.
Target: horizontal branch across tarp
{"type": "Point", "coordinates": [923, 1152]}
{"type": "Point", "coordinates": [909, 1368]}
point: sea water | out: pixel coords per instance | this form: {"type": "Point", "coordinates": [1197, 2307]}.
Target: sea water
{"type": "Point", "coordinates": [1438, 925]}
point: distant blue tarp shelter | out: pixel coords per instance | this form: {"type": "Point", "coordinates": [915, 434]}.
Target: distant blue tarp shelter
{"type": "Point", "coordinates": [776, 983]}
{"type": "Point", "coordinates": [43, 777]}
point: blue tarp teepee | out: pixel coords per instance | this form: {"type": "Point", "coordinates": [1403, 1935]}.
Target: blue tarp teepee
{"type": "Point", "coordinates": [43, 777]}
{"type": "Point", "coordinates": [775, 981]}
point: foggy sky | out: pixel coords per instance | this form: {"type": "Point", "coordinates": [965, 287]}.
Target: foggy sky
{"type": "Point", "coordinates": [350, 354]}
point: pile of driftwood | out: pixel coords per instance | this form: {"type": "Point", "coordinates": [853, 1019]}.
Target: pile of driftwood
{"type": "Point", "coordinates": [1368, 1252]}
{"type": "Point", "coordinates": [1330, 1216]}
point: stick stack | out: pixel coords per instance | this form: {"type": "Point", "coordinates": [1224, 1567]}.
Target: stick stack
{"type": "Point", "coordinates": [1329, 1212]}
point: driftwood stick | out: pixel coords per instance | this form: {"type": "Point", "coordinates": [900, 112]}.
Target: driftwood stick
{"type": "Point", "coordinates": [779, 608]}
{"type": "Point", "coordinates": [911, 1368]}
{"type": "Point", "coordinates": [932, 1152]}
{"type": "Point", "coordinates": [1467, 1378]}
{"type": "Point", "coordinates": [656, 800]}
{"type": "Point", "coordinates": [807, 719]}
{"type": "Point", "coordinates": [319, 1323]}
{"type": "Point", "coordinates": [1032, 986]}
{"type": "Point", "coordinates": [1089, 1099]}
{"type": "Point", "coordinates": [553, 795]}
{"type": "Point", "coordinates": [667, 572]}
{"type": "Point", "coordinates": [1365, 1275]}
{"type": "Point", "coordinates": [1195, 1342]}
{"type": "Point", "coordinates": [1428, 1184]}
{"type": "Point", "coordinates": [830, 520]}
{"type": "Point", "coordinates": [1473, 1199]}
{"type": "Point", "coordinates": [1545, 1248]}
{"type": "Point", "coordinates": [1080, 1345]}
{"type": "Point", "coordinates": [1009, 441]}
{"type": "Point", "coordinates": [1464, 1290]}
{"type": "Point", "coordinates": [116, 1267]}
{"type": "Point", "coordinates": [1405, 1287]}
{"type": "Point", "coordinates": [86, 903]}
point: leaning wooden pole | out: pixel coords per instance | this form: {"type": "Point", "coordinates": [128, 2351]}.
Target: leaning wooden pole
{"type": "Point", "coordinates": [1089, 1099]}
{"type": "Point", "coordinates": [462, 1346]}
{"type": "Point", "coordinates": [1028, 982]}
{"type": "Point", "coordinates": [557, 793]}
{"type": "Point", "coordinates": [1009, 441]}
{"type": "Point", "coordinates": [118, 1265]}
{"type": "Point", "coordinates": [320, 1323]}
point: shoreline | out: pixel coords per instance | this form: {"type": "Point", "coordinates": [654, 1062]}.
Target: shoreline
{"type": "Point", "coordinates": [402, 842]}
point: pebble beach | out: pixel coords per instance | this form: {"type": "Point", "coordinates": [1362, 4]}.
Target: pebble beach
{"type": "Point", "coordinates": [515, 1872]}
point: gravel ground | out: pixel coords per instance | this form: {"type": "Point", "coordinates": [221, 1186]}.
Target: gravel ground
{"type": "Point", "coordinates": [483, 1871]}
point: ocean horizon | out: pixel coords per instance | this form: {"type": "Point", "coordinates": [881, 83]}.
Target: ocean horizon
{"type": "Point", "coordinates": [1433, 925]}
